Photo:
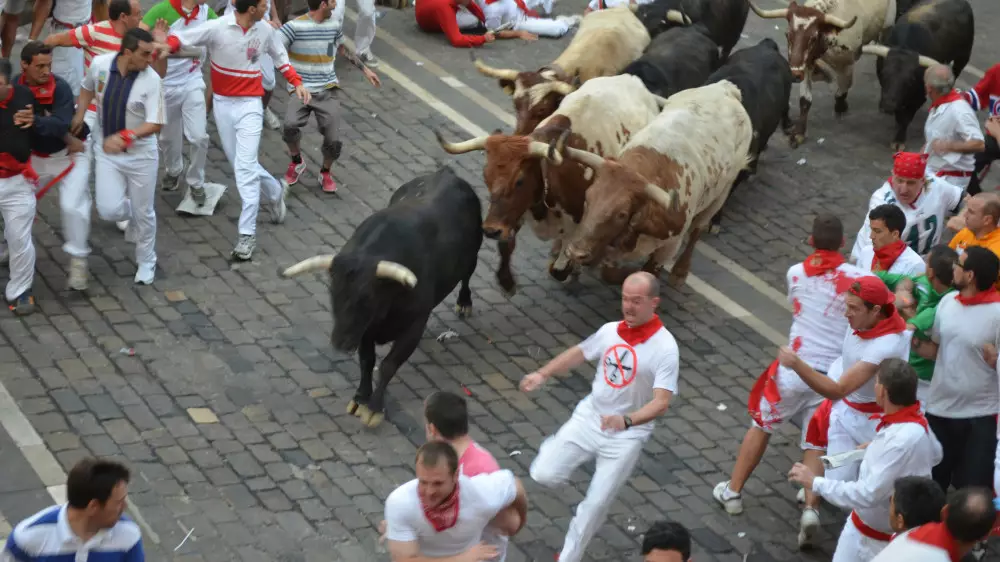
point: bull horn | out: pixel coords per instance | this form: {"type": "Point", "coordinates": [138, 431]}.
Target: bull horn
{"type": "Point", "coordinates": [633, 7]}
{"type": "Point", "coordinates": [585, 157]}
{"type": "Point", "coordinates": [398, 273]}
{"type": "Point", "coordinates": [542, 150]}
{"type": "Point", "coordinates": [314, 263]}
{"type": "Point", "coordinates": [926, 62]}
{"type": "Point", "coordinates": [838, 22]}
{"type": "Point", "coordinates": [498, 73]}
{"type": "Point", "coordinates": [678, 17]}
{"type": "Point", "coordinates": [877, 50]}
{"type": "Point", "coordinates": [477, 143]}
{"type": "Point", "coordinates": [779, 13]}
{"type": "Point", "coordinates": [558, 146]}
{"type": "Point", "coordinates": [563, 89]}
{"type": "Point", "coordinates": [667, 199]}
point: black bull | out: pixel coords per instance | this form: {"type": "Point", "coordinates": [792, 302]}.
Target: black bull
{"type": "Point", "coordinates": [677, 59]}
{"type": "Point", "coordinates": [931, 31]}
{"type": "Point", "coordinates": [765, 81]}
{"type": "Point", "coordinates": [399, 264]}
{"type": "Point", "coordinates": [724, 19]}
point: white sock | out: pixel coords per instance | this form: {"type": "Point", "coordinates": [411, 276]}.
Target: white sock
{"type": "Point", "coordinates": [728, 494]}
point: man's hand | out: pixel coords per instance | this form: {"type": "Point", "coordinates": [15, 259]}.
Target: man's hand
{"type": "Point", "coordinates": [787, 357]}
{"type": "Point", "coordinates": [373, 78]}
{"type": "Point", "coordinates": [613, 423]}
{"type": "Point", "coordinates": [957, 222]}
{"type": "Point", "coordinates": [25, 118]}
{"type": "Point", "coordinates": [863, 446]}
{"type": "Point", "coordinates": [382, 527]}
{"type": "Point", "coordinates": [303, 94]}
{"type": "Point", "coordinates": [527, 36]}
{"type": "Point", "coordinates": [801, 474]}
{"type": "Point", "coordinates": [76, 125]}
{"type": "Point", "coordinates": [114, 144]}
{"type": "Point", "coordinates": [489, 37]}
{"type": "Point", "coordinates": [905, 303]}
{"type": "Point", "coordinates": [532, 381]}
{"type": "Point", "coordinates": [275, 24]}
{"type": "Point", "coordinates": [74, 145]}
{"type": "Point", "coordinates": [941, 146]}
{"type": "Point", "coordinates": [993, 126]}
{"type": "Point", "coordinates": [480, 552]}
{"type": "Point", "coordinates": [160, 31]}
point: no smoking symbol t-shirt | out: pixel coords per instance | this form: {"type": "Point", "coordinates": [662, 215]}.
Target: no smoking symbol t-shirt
{"type": "Point", "coordinates": [619, 365]}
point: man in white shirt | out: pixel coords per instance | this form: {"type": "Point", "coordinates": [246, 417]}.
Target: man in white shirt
{"type": "Point", "coordinates": [67, 62]}
{"type": "Point", "coordinates": [816, 292]}
{"type": "Point", "coordinates": [635, 380]}
{"type": "Point", "coordinates": [962, 403]}
{"type": "Point", "coordinates": [128, 95]}
{"type": "Point", "coordinates": [442, 513]}
{"type": "Point", "coordinates": [887, 251]}
{"type": "Point", "coordinates": [952, 133]}
{"type": "Point", "coordinates": [926, 202]}
{"type": "Point", "coordinates": [903, 446]}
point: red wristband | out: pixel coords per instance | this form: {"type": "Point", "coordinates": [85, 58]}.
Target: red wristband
{"type": "Point", "coordinates": [128, 136]}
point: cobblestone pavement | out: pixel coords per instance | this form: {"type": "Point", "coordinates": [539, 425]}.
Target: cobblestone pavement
{"type": "Point", "coordinates": [219, 387]}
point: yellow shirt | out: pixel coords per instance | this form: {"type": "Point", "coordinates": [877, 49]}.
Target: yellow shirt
{"type": "Point", "coordinates": [966, 239]}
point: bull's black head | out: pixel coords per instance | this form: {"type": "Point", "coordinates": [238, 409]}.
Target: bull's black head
{"type": "Point", "coordinates": [363, 292]}
{"type": "Point", "coordinates": [902, 79]}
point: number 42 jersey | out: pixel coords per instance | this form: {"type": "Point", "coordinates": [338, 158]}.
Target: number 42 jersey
{"type": "Point", "coordinates": [925, 219]}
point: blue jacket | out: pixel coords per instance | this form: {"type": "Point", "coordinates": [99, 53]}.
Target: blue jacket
{"type": "Point", "coordinates": [52, 121]}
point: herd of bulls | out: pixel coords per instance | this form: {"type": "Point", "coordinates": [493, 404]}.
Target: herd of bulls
{"type": "Point", "coordinates": [625, 147]}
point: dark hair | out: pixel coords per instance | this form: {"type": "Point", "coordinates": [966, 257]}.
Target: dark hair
{"type": "Point", "coordinates": [667, 535]}
{"type": "Point", "coordinates": [32, 49]}
{"type": "Point", "coordinates": [119, 8]}
{"type": "Point", "coordinates": [243, 6]}
{"type": "Point", "coordinates": [314, 4]}
{"type": "Point", "coordinates": [448, 413]}
{"type": "Point", "coordinates": [132, 38]}
{"type": "Point", "coordinates": [984, 265]}
{"type": "Point", "coordinates": [430, 454]}
{"type": "Point", "coordinates": [828, 232]}
{"type": "Point", "coordinates": [918, 499]}
{"type": "Point", "coordinates": [891, 215]}
{"type": "Point", "coordinates": [899, 380]}
{"type": "Point", "coordinates": [6, 70]}
{"type": "Point", "coordinates": [942, 262]}
{"type": "Point", "coordinates": [94, 479]}
{"type": "Point", "coordinates": [971, 514]}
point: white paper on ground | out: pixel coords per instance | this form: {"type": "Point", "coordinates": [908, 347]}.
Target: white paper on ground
{"type": "Point", "coordinates": [213, 192]}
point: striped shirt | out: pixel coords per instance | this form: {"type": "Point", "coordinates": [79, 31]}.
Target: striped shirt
{"type": "Point", "coordinates": [312, 49]}
{"type": "Point", "coordinates": [96, 39]}
{"type": "Point", "coordinates": [46, 536]}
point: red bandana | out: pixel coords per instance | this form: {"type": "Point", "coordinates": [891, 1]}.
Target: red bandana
{"type": "Point", "coordinates": [936, 534]}
{"type": "Point", "coordinates": [45, 93]}
{"type": "Point", "coordinates": [909, 414]}
{"type": "Point", "coordinates": [909, 165]}
{"type": "Point", "coordinates": [639, 334]}
{"type": "Point", "coordinates": [988, 296]}
{"type": "Point", "coordinates": [821, 261]}
{"type": "Point", "coordinates": [445, 515]}
{"type": "Point", "coordinates": [947, 98]}
{"type": "Point", "coordinates": [887, 255]}
{"type": "Point", "coordinates": [10, 95]}
{"type": "Point", "coordinates": [187, 17]}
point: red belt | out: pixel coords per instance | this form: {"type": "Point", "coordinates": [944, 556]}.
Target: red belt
{"type": "Point", "coordinates": [868, 531]}
{"type": "Point", "coordinates": [953, 174]}
{"type": "Point", "coordinates": [864, 407]}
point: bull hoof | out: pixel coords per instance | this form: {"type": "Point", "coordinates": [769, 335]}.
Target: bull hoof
{"type": "Point", "coordinates": [463, 310]}
{"type": "Point", "coordinates": [374, 420]}
{"type": "Point", "coordinates": [897, 147]}
{"type": "Point", "coordinates": [677, 281]}
{"type": "Point", "coordinates": [714, 229]}
{"type": "Point", "coordinates": [507, 285]}
{"type": "Point", "coordinates": [796, 140]}
{"type": "Point", "coordinates": [352, 407]}
{"type": "Point", "coordinates": [363, 413]}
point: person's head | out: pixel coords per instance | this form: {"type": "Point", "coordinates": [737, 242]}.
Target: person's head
{"type": "Point", "coordinates": [323, 7]}
{"type": "Point", "coordinates": [915, 501]}
{"type": "Point", "coordinates": [446, 416]}
{"type": "Point", "coordinates": [887, 223]}
{"type": "Point", "coordinates": [127, 13]}
{"type": "Point", "coordinates": [437, 472]}
{"type": "Point", "coordinates": [6, 73]}
{"type": "Point", "coordinates": [969, 514]}
{"type": "Point", "coordinates": [666, 541]}
{"type": "Point", "coordinates": [938, 80]}
{"type": "Point", "coordinates": [256, 8]}
{"type": "Point", "coordinates": [640, 297]}
{"type": "Point", "coordinates": [827, 233]}
{"type": "Point", "coordinates": [941, 264]}
{"type": "Point", "coordinates": [97, 489]}
{"type": "Point", "coordinates": [982, 213]}
{"type": "Point", "coordinates": [137, 49]}
{"type": "Point", "coordinates": [977, 267]}
{"type": "Point", "coordinates": [908, 176]}
{"type": "Point", "coordinates": [895, 384]}
{"type": "Point", "coordinates": [868, 302]}
{"type": "Point", "coordinates": [36, 63]}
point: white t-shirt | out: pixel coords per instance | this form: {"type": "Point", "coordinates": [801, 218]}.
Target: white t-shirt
{"type": "Point", "coordinates": [873, 351]}
{"type": "Point", "coordinates": [145, 100]}
{"type": "Point", "coordinates": [953, 121]}
{"type": "Point", "coordinates": [480, 498]}
{"type": "Point", "coordinates": [72, 12]}
{"type": "Point", "coordinates": [925, 219]}
{"type": "Point", "coordinates": [627, 375]}
{"type": "Point", "coordinates": [908, 263]}
{"type": "Point", "coordinates": [964, 385]}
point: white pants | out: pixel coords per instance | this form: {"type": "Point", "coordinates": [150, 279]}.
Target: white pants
{"type": "Point", "coordinates": [267, 72]}
{"type": "Point", "coordinates": [17, 204]}
{"type": "Point", "coordinates": [125, 189]}
{"type": "Point", "coordinates": [67, 62]}
{"type": "Point", "coordinates": [239, 122]}
{"type": "Point", "coordinates": [466, 20]}
{"type": "Point", "coordinates": [74, 195]}
{"type": "Point", "coordinates": [364, 31]}
{"type": "Point", "coordinates": [505, 11]}
{"type": "Point", "coordinates": [186, 117]}
{"type": "Point", "coordinates": [852, 546]}
{"type": "Point", "coordinates": [579, 440]}
{"type": "Point", "coordinates": [849, 429]}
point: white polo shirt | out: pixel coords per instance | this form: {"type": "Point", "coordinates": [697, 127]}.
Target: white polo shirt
{"type": "Point", "coordinates": [144, 105]}
{"type": "Point", "coordinates": [952, 121]}
{"type": "Point", "coordinates": [964, 385]}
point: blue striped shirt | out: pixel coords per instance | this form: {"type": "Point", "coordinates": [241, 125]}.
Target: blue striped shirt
{"type": "Point", "coordinates": [312, 50]}
{"type": "Point", "coordinates": [47, 537]}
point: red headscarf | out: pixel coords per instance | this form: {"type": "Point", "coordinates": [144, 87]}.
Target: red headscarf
{"type": "Point", "coordinates": [909, 165]}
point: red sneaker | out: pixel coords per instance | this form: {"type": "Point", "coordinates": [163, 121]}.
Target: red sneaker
{"type": "Point", "coordinates": [326, 180]}
{"type": "Point", "coordinates": [294, 171]}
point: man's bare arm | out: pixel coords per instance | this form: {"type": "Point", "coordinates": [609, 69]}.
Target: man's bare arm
{"type": "Point", "coordinates": [853, 378]}
{"type": "Point", "coordinates": [352, 57]}
{"type": "Point", "coordinates": [64, 39]}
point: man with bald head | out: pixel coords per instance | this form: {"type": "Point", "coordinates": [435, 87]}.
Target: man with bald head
{"type": "Point", "coordinates": [952, 134]}
{"type": "Point", "coordinates": [635, 380]}
{"type": "Point", "coordinates": [978, 225]}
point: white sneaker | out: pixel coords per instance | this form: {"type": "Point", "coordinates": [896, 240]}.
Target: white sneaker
{"type": "Point", "coordinates": [122, 225]}
{"type": "Point", "coordinates": [808, 525]}
{"type": "Point", "coordinates": [77, 274]}
{"type": "Point", "coordinates": [733, 504]}
{"type": "Point", "coordinates": [571, 21]}
{"type": "Point", "coordinates": [271, 120]}
{"type": "Point", "coordinates": [800, 498]}
{"type": "Point", "coordinates": [278, 208]}
{"type": "Point", "coordinates": [145, 274]}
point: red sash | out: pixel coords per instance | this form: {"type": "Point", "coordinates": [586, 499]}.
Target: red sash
{"type": "Point", "coordinates": [766, 388]}
{"type": "Point", "coordinates": [868, 531]}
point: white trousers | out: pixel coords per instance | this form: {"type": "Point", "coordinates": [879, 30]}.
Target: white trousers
{"type": "Point", "coordinates": [17, 205]}
{"type": "Point", "coordinates": [364, 31]}
{"type": "Point", "coordinates": [186, 117]}
{"type": "Point", "coordinates": [579, 440]}
{"type": "Point", "coordinates": [849, 429]}
{"type": "Point", "coordinates": [239, 122]}
{"type": "Point", "coordinates": [507, 11]}
{"type": "Point", "coordinates": [74, 195]}
{"type": "Point", "coordinates": [852, 546]}
{"type": "Point", "coordinates": [466, 20]}
{"type": "Point", "coordinates": [125, 189]}
{"type": "Point", "coordinates": [67, 62]}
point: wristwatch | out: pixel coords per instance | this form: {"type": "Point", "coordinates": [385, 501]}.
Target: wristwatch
{"type": "Point", "coordinates": [628, 421]}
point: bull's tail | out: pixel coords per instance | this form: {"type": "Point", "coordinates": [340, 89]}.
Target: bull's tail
{"type": "Point", "coordinates": [314, 263]}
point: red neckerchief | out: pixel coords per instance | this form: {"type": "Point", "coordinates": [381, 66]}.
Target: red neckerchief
{"type": "Point", "coordinates": [887, 255]}
{"type": "Point", "coordinates": [10, 95]}
{"type": "Point", "coordinates": [821, 261]}
{"type": "Point", "coordinates": [909, 414]}
{"type": "Point", "coordinates": [988, 296]}
{"type": "Point", "coordinates": [947, 98]}
{"type": "Point", "coordinates": [936, 534]}
{"type": "Point", "coordinates": [180, 10]}
{"type": "Point", "coordinates": [44, 94]}
{"type": "Point", "coordinates": [894, 324]}
{"type": "Point", "coordinates": [445, 515]}
{"type": "Point", "coordinates": [917, 198]}
{"type": "Point", "coordinates": [639, 334]}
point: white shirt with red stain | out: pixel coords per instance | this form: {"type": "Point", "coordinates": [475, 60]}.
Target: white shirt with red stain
{"type": "Point", "coordinates": [953, 121]}
{"type": "Point", "coordinates": [873, 351]}
{"type": "Point", "coordinates": [908, 263]}
{"type": "Point", "coordinates": [235, 53]}
{"type": "Point", "coordinates": [925, 218]}
{"type": "Point", "coordinates": [627, 375]}
{"type": "Point", "coordinates": [898, 450]}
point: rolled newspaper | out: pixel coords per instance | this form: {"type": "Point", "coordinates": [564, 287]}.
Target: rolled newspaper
{"type": "Point", "coordinates": [843, 459]}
